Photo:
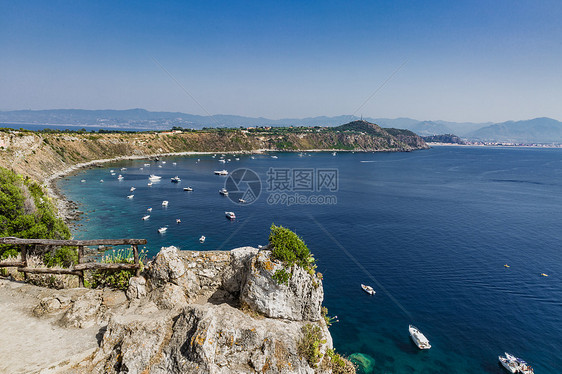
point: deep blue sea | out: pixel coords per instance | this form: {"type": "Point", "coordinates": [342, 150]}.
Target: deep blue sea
{"type": "Point", "coordinates": [429, 230]}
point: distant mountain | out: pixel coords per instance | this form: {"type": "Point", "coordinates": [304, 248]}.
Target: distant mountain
{"type": "Point", "coordinates": [538, 130]}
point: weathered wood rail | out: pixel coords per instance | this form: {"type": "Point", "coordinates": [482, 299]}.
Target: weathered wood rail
{"type": "Point", "coordinates": [80, 267]}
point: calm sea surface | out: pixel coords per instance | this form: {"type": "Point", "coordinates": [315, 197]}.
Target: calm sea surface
{"type": "Point", "coordinates": [429, 230]}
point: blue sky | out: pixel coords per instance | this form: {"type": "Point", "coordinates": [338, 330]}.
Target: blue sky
{"type": "Point", "coordinates": [461, 60]}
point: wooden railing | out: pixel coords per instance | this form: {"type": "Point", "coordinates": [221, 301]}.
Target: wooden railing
{"type": "Point", "coordinates": [81, 266]}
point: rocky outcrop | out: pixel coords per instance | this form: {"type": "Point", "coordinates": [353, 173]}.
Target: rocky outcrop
{"type": "Point", "coordinates": [196, 312]}
{"type": "Point", "coordinates": [298, 300]}
{"type": "Point", "coordinates": [212, 312]}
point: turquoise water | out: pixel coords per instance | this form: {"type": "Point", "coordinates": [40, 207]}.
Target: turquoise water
{"type": "Point", "coordinates": [429, 230]}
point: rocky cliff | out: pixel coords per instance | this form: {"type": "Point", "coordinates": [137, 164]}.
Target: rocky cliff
{"type": "Point", "coordinates": [200, 312]}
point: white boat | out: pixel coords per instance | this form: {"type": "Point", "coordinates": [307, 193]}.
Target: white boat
{"type": "Point", "coordinates": [242, 201]}
{"type": "Point", "coordinates": [111, 171]}
{"type": "Point", "coordinates": [159, 166]}
{"type": "Point", "coordinates": [237, 158]}
{"type": "Point", "coordinates": [223, 191]}
{"type": "Point", "coordinates": [175, 179]}
{"type": "Point", "coordinates": [164, 162]}
{"type": "Point", "coordinates": [149, 184]}
{"type": "Point", "coordinates": [174, 163]}
{"type": "Point", "coordinates": [144, 218]}
{"type": "Point", "coordinates": [418, 338]}
{"type": "Point", "coordinates": [188, 189]}
{"type": "Point", "coordinates": [123, 169]}
{"type": "Point", "coordinates": [147, 165]}
{"type": "Point", "coordinates": [162, 230]}
{"type": "Point", "coordinates": [154, 177]}
{"type": "Point", "coordinates": [202, 239]}
{"type": "Point", "coordinates": [101, 180]}
{"type": "Point", "coordinates": [221, 172]}
{"type": "Point", "coordinates": [274, 157]}
{"type": "Point", "coordinates": [522, 366]}
{"type": "Point", "coordinates": [508, 364]}
{"type": "Point", "coordinates": [178, 220]}
{"type": "Point", "coordinates": [132, 189]}
{"type": "Point", "coordinates": [130, 196]}
{"type": "Point", "coordinates": [83, 181]}
{"type": "Point", "coordinates": [120, 177]}
{"type": "Point", "coordinates": [368, 289]}
{"type": "Point", "coordinates": [230, 215]}
{"type": "Point", "coordinates": [222, 161]}
{"type": "Point", "coordinates": [165, 203]}
{"type": "Point", "coordinates": [149, 210]}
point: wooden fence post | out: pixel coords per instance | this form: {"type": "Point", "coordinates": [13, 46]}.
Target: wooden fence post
{"type": "Point", "coordinates": [80, 256]}
{"type": "Point", "coordinates": [136, 254]}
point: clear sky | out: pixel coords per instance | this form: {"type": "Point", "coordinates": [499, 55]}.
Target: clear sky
{"type": "Point", "coordinates": [464, 60]}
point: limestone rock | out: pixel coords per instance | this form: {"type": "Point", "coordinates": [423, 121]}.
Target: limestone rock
{"type": "Point", "coordinates": [166, 267]}
{"type": "Point", "coordinates": [299, 300]}
{"type": "Point", "coordinates": [86, 311]}
{"type": "Point", "coordinates": [137, 288]}
{"type": "Point", "coordinates": [234, 276]}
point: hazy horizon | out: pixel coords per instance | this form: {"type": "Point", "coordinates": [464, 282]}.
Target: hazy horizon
{"type": "Point", "coordinates": [459, 62]}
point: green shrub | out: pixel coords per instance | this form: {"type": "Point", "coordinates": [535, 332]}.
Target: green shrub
{"type": "Point", "coordinates": [63, 257]}
{"type": "Point", "coordinates": [309, 344]}
{"type": "Point", "coordinates": [338, 364]}
{"type": "Point", "coordinates": [116, 278]}
{"type": "Point", "coordinates": [289, 248]}
{"type": "Point", "coordinates": [26, 212]}
{"type": "Point", "coordinates": [282, 276]}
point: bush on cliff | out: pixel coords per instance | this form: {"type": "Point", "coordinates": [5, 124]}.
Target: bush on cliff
{"type": "Point", "coordinates": [289, 248]}
{"type": "Point", "coordinates": [26, 212]}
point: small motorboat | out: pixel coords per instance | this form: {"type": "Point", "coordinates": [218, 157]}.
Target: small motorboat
{"type": "Point", "coordinates": [175, 179]}
{"type": "Point", "coordinates": [154, 177]}
{"type": "Point", "coordinates": [188, 189]}
{"type": "Point", "coordinates": [178, 220]}
{"type": "Point", "coordinates": [120, 177]}
{"type": "Point", "coordinates": [223, 191]}
{"type": "Point", "coordinates": [368, 289]}
{"type": "Point", "coordinates": [202, 239]}
{"type": "Point", "coordinates": [162, 230]}
{"type": "Point", "coordinates": [130, 196]}
{"type": "Point", "coordinates": [221, 172]}
{"type": "Point", "coordinates": [174, 163]}
{"type": "Point", "coordinates": [132, 189]}
{"type": "Point", "coordinates": [242, 201]}
{"type": "Point", "coordinates": [141, 168]}
{"type": "Point", "coordinates": [230, 215]}
{"type": "Point", "coordinates": [163, 162]}
{"type": "Point", "coordinates": [83, 181]}
{"type": "Point", "coordinates": [506, 266]}
{"type": "Point", "coordinates": [101, 180]}
{"type": "Point", "coordinates": [144, 218]}
{"type": "Point", "coordinates": [147, 165]}
{"type": "Point", "coordinates": [333, 154]}
{"type": "Point", "coordinates": [149, 184]}
{"type": "Point", "coordinates": [544, 275]}
{"type": "Point", "coordinates": [508, 364]}
{"type": "Point", "coordinates": [165, 203]}
{"type": "Point", "coordinates": [149, 210]}
{"type": "Point", "coordinates": [222, 161]}
{"type": "Point", "coordinates": [237, 158]}
{"type": "Point", "coordinates": [112, 171]}
{"type": "Point", "coordinates": [522, 366]}
{"type": "Point", "coordinates": [123, 169]}
{"type": "Point", "coordinates": [418, 338]}
{"type": "Point", "coordinates": [274, 157]}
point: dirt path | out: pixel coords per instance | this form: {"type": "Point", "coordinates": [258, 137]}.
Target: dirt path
{"type": "Point", "coordinates": [32, 345]}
